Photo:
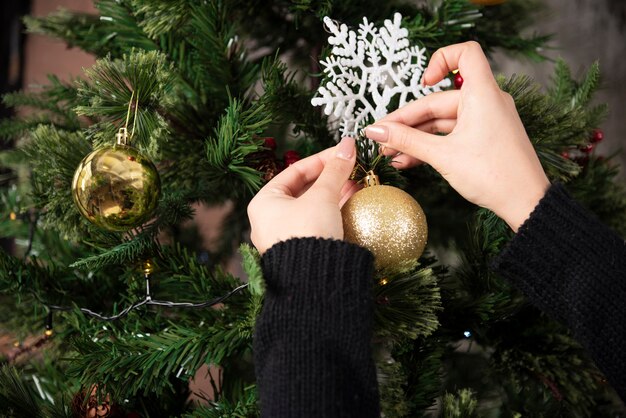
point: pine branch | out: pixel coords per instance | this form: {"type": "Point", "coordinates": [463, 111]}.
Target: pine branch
{"type": "Point", "coordinates": [58, 154]}
{"type": "Point", "coordinates": [157, 19]}
{"type": "Point", "coordinates": [112, 33]}
{"type": "Point", "coordinates": [219, 67]}
{"type": "Point", "coordinates": [460, 405]}
{"type": "Point", "coordinates": [503, 27]}
{"type": "Point", "coordinates": [533, 352]}
{"type": "Point", "coordinates": [551, 126]}
{"type": "Point", "coordinates": [407, 305]}
{"type": "Point", "coordinates": [455, 21]}
{"type": "Point", "coordinates": [290, 103]}
{"type": "Point", "coordinates": [139, 365]}
{"type": "Point", "coordinates": [173, 209]}
{"type": "Point", "coordinates": [128, 252]}
{"type": "Point", "coordinates": [392, 380]}
{"type": "Point", "coordinates": [422, 364]}
{"type": "Point", "coordinates": [234, 140]}
{"type": "Point", "coordinates": [252, 267]}
{"type": "Point", "coordinates": [563, 85]}
{"type": "Point", "coordinates": [599, 191]}
{"type": "Point", "coordinates": [16, 397]}
{"type": "Point", "coordinates": [245, 407]}
{"type": "Point", "coordinates": [54, 102]}
{"type": "Point", "coordinates": [131, 366]}
{"type": "Point", "coordinates": [145, 77]}
{"type": "Point", "coordinates": [177, 264]}
{"type": "Point", "coordinates": [587, 87]}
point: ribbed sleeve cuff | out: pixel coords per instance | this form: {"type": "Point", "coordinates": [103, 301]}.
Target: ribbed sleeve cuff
{"type": "Point", "coordinates": [574, 268]}
{"type": "Point", "coordinates": [554, 249]}
{"type": "Point", "coordinates": [317, 266]}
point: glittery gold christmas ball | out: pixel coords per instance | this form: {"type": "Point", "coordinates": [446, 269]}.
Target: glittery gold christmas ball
{"type": "Point", "coordinates": [388, 222]}
{"type": "Point", "coordinates": [116, 188]}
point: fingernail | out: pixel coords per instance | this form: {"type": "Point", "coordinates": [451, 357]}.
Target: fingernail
{"type": "Point", "coordinates": [377, 133]}
{"type": "Point", "coordinates": [345, 148]}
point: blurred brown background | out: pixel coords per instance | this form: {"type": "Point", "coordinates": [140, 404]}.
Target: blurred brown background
{"type": "Point", "coordinates": [586, 31]}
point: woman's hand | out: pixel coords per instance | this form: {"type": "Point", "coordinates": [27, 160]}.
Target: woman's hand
{"type": "Point", "coordinates": [486, 155]}
{"type": "Point", "coordinates": [305, 199]}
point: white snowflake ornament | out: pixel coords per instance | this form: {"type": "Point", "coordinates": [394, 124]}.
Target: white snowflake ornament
{"type": "Point", "coordinates": [367, 69]}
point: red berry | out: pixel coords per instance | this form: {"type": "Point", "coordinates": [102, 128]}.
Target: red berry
{"type": "Point", "coordinates": [131, 158]}
{"type": "Point", "coordinates": [269, 142]}
{"type": "Point", "coordinates": [565, 154]}
{"type": "Point", "coordinates": [458, 81]}
{"type": "Point", "coordinates": [597, 136]}
{"type": "Point", "coordinates": [291, 157]}
{"type": "Point", "coordinates": [587, 148]}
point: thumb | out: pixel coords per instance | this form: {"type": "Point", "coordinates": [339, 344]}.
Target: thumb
{"type": "Point", "coordinates": [419, 144]}
{"type": "Point", "coordinates": [337, 171]}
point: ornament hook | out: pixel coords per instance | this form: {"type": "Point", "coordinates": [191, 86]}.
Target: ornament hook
{"type": "Point", "coordinates": [122, 135]}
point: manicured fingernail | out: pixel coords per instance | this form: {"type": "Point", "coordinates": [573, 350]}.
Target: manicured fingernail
{"type": "Point", "coordinates": [377, 133]}
{"type": "Point", "coordinates": [345, 148]}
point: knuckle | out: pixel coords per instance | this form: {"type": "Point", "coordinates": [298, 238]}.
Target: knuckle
{"type": "Point", "coordinates": [508, 98]}
{"type": "Point", "coordinates": [252, 207]}
{"type": "Point", "coordinates": [473, 45]}
{"type": "Point", "coordinates": [404, 140]}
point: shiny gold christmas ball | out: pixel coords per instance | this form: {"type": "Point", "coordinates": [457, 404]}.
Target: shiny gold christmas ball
{"type": "Point", "coordinates": [388, 222]}
{"type": "Point", "coordinates": [116, 188]}
{"type": "Point", "coordinates": [487, 2]}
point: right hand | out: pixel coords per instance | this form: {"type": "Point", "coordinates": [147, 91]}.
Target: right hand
{"type": "Point", "coordinates": [486, 155]}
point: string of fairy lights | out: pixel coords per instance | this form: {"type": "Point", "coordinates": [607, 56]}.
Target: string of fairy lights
{"type": "Point", "coordinates": [147, 300]}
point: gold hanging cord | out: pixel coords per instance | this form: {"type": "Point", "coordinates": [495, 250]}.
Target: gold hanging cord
{"type": "Point", "coordinates": [122, 135]}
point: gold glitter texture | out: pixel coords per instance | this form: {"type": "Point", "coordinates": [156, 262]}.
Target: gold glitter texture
{"type": "Point", "coordinates": [388, 222]}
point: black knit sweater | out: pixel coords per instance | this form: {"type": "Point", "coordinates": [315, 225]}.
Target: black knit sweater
{"type": "Point", "coordinates": [312, 343]}
{"type": "Point", "coordinates": [573, 268]}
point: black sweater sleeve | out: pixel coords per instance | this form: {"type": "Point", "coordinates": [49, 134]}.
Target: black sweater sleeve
{"type": "Point", "coordinates": [312, 342]}
{"type": "Point", "coordinates": [574, 268]}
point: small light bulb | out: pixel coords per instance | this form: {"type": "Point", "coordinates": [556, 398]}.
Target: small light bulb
{"type": "Point", "coordinates": [147, 267]}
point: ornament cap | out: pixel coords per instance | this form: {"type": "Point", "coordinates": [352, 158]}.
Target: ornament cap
{"type": "Point", "coordinates": [122, 136]}
{"type": "Point", "coordinates": [371, 179]}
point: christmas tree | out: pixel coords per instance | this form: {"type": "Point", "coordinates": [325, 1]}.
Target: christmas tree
{"type": "Point", "coordinates": [215, 99]}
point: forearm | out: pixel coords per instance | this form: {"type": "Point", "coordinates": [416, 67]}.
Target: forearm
{"type": "Point", "coordinates": [312, 342]}
{"type": "Point", "coordinates": [574, 268]}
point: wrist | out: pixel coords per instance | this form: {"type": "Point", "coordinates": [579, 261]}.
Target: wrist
{"type": "Point", "coordinates": [520, 209]}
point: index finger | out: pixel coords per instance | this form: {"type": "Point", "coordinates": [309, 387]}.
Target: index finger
{"type": "Point", "coordinates": [439, 105]}
{"type": "Point", "coordinates": [293, 180]}
{"type": "Point", "coordinates": [467, 57]}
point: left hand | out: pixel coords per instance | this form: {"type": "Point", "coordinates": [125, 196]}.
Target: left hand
{"type": "Point", "coordinates": [305, 199]}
